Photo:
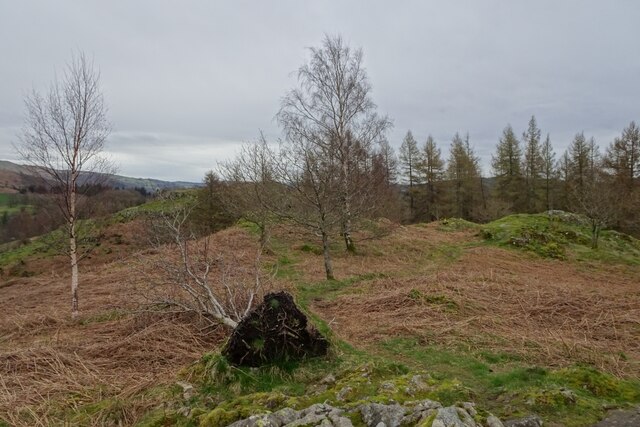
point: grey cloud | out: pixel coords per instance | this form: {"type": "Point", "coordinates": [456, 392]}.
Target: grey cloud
{"type": "Point", "coordinates": [204, 75]}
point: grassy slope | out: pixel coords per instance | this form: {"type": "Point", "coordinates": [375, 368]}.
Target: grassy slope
{"type": "Point", "coordinates": [500, 381]}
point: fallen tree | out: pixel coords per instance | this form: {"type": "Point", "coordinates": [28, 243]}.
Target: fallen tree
{"type": "Point", "coordinates": [274, 331]}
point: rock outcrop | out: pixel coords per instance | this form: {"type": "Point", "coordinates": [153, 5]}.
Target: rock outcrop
{"type": "Point", "coordinates": [427, 413]}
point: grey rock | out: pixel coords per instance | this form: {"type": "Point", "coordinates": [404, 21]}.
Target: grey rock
{"type": "Point", "coordinates": [417, 417]}
{"type": "Point", "coordinates": [466, 418]}
{"type": "Point", "coordinates": [311, 419]}
{"type": "Point", "coordinates": [569, 396]}
{"type": "Point", "coordinates": [416, 384]}
{"type": "Point", "coordinates": [340, 421]}
{"type": "Point", "coordinates": [284, 416]}
{"type": "Point", "coordinates": [320, 414]}
{"type": "Point", "coordinates": [328, 380]}
{"type": "Point", "coordinates": [530, 421]}
{"type": "Point", "coordinates": [388, 386]}
{"type": "Point", "coordinates": [254, 421]}
{"type": "Point", "coordinates": [187, 390]}
{"type": "Point", "coordinates": [493, 421]}
{"type": "Point", "coordinates": [427, 404]}
{"type": "Point", "coordinates": [470, 407]}
{"type": "Point", "coordinates": [342, 394]}
{"type": "Point", "coordinates": [450, 417]}
{"type": "Point", "coordinates": [390, 415]}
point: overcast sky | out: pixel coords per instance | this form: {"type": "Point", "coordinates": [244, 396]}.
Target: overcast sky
{"type": "Point", "coordinates": [187, 81]}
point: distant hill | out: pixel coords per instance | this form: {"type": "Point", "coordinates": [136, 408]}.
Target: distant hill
{"type": "Point", "coordinates": [14, 177]}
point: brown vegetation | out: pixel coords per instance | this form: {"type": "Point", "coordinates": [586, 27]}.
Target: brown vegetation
{"type": "Point", "coordinates": [548, 312]}
{"type": "Point", "coordinates": [51, 366]}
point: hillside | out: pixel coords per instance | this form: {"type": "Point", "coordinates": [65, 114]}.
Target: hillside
{"type": "Point", "coordinates": [13, 177]}
{"type": "Point", "coordinates": [449, 311]}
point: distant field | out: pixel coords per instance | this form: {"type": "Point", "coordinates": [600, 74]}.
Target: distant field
{"type": "Point", "coordinates": [10, 203]}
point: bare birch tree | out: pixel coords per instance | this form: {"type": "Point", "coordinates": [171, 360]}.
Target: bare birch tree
{"type": "Point", "coordinates": [188, 273]}
{"type": "Point", "coordinates": [332, 109]}
{"type": "Point", "coordinates": [250, 185]}
{"type": "Point", "coordinates": [63, 137]}
{"type": "Point", "coordinates": [310, 194]}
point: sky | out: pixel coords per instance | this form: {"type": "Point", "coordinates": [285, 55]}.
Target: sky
{"type": "Point", "coordinates": [187, 82]}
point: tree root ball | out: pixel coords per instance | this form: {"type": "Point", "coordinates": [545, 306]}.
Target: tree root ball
{"type": "Point", "coordinates": [275, 331]}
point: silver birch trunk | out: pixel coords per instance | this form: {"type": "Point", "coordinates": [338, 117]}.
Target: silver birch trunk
{"type": "Point", "coordinates": [73, 247]}
{"type": "Point", "coordinates": [328, 267]}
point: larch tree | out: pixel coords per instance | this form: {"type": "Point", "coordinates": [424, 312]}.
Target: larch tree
{"type": "Point", "coordinates": [581, 153]}
{"type": "Point", "coordinates": [623, 156]}
{"type": "Point", "coordinates": [622, 163]}
{"type": "Point", "coordinates": [332, 108]}
{"type": "Point", "coordinates": [563, 168]}
{"type": "Point", "coordinates": [389, 162]}
{"type": "Point", "coordinates": [463, 174]}
{"type": "Point", "coordinates": [532, 164]}
{"type": "Point", "coordinates": [409, 160]}
{"type": "Point", "coordinates": [506, 164]}
{"type": "Point", "coordinates": [548, 171]}
{"type": "Point", "coordinates": [64, 137]}
{"type": "Point", "coordinates": [432, 170]}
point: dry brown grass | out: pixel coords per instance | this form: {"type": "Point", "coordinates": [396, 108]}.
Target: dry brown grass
{"type": "Point", "coordinates": [549, 312]}
{"type": "Point", "coordinates": [487, 298]}
{"type": "Point", "coordinates": [52, 367]}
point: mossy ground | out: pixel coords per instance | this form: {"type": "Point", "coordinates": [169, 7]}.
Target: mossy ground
{"type": "Point", "coordinates": [561, 236]}
{"type": "Point", "coordinates": [499, 384]}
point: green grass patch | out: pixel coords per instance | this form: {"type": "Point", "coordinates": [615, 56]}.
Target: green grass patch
{"type": "Point", "coordinates": [176, 200]}
{"type": "Point", "coordinates": [561, 236]}
{"type": "Point", "coordinates": [330, 289]}
{"type": "Point", "coordinates": [506, 386]}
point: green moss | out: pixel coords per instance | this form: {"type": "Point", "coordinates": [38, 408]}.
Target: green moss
{"type": "Point", "coordinates": [562, 235]}
{"type": "Point", "coordinates": [428, 422]}
{"type": "Point", "coordinates": [598, 384]}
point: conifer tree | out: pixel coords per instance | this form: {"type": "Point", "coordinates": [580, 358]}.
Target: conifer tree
{"type": "Point", "coordinates": [532, 164]}
{"type": "Point", "coordinates": [622, 163]}
{"type": "Point", "coordinates": [409, 160]}
{"type": "Point", "coordinates": [583, 157]}
{"type": "Point", "coordinates": [506, 165]}
{"type": "Point", "coordinates": [463, 174]}
{"type": "Point", "coordinates": [623, 157]}
{"type": "Point", "coordinates": [432, 170]}
{"type": "Point", "coordinates": [548, 171]}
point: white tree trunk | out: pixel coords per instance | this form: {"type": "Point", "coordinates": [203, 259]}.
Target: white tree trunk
{"type": "Point", "coordinates": [73, 252]}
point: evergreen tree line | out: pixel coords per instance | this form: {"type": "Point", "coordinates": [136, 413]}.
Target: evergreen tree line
{"type": "Point", "coordinates": [528, 177]}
